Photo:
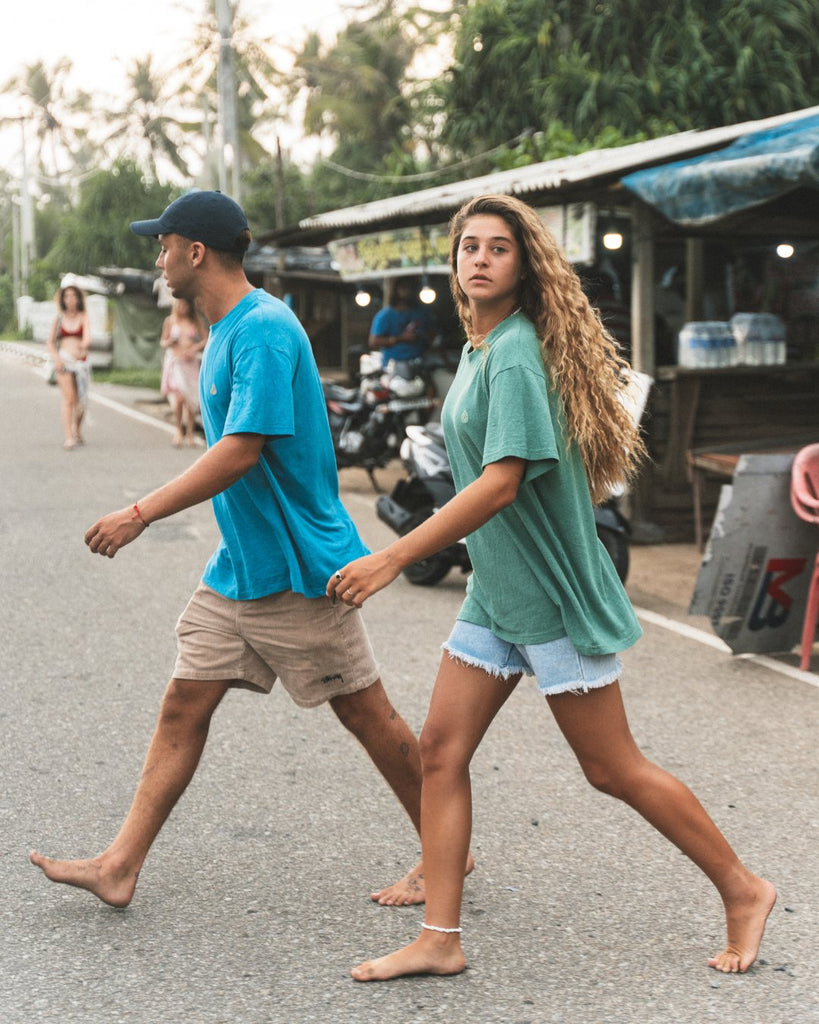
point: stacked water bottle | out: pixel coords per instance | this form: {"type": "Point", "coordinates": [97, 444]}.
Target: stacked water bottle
{"type": "Point", "coordinates": [749, 339]}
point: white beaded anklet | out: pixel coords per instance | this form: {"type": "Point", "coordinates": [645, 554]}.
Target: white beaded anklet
{"type": "Point", "coordinates": [446, 931]}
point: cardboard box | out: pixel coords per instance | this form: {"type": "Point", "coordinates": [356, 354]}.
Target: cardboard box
{"type": "Point", "coordinates": [754, 578]}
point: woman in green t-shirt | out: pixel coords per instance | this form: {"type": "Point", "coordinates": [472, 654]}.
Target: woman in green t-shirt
{"type": "Point", "coordinates": [537, 431]}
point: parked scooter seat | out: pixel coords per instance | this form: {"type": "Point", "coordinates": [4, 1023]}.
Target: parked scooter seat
{"type": "Point", "coordinates": [339, 393]}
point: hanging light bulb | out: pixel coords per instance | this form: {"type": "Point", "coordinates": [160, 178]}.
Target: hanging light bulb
{"type": "Point", "coordinates": [785, 250]}
{"type": "Point", "coordinates": [427, 295]}
{"type": "Point", "coordinates": [363, 298]}
{"type": "Point", "coordinates": [613, 239]}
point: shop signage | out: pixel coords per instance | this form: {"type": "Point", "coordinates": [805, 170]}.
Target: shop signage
{"type": "Point", "coordinates": [425, 250]}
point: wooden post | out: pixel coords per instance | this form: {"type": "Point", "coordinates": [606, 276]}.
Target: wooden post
{"type": "Point", "coordinates": [694, 278]}
{"type": "Point", "coordinates": [642, 290]}
{"type": "Point", "coordinates": [638, 499]}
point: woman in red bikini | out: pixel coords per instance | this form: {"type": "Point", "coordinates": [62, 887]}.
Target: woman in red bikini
{"type": "Point", "coordinates": [68, 346]}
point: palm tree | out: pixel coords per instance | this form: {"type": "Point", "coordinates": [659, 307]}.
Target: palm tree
{"type": "Point", "coordinates": [258, 83]}
{"type": "Point", "coordinates": [153, 126]}
{"type": "Point", "coordinates": [359, 94]}
{"type": "Point", "coordinates": [47, 106]}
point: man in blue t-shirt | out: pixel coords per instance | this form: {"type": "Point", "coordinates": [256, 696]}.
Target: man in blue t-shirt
{"type": "Point", "coordinates": [260, 612]}
{"type": "Point", "coordinates": [402, 329]}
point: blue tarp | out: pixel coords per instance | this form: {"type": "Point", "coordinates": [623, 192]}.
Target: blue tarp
{"type": "Point", "coordinates": [754, 169]}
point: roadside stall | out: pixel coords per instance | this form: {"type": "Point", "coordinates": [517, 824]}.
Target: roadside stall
{"type": "Point", "coordinates": [746, 375]}
{"type": "Point", "coordinates": [750, 248]}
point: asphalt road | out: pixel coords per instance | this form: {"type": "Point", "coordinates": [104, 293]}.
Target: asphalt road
{"type": "Point", "coordinates": [253, 903]}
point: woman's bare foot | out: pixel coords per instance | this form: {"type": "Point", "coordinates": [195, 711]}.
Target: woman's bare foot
{"type": "Point", "coordinates": [409, 891]}
{"type": "Point", "coordinates": [745, 924]}
{"type": "Point", "coordinates": [114, 887]}
{"type": "Point", "coordinates": [429, 954]}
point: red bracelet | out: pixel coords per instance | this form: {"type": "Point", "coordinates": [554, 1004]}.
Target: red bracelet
{"type": "Point", "coordinates": [138, 515]}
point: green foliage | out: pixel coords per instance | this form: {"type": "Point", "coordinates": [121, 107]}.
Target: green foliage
{"type": "Point", "coordinates": [271, 199]}
{"type": "Point", "coordinates": [43, 282]}
{"type": "Point", "coordinates": [96, 233]}
{"type": "Point", "coordinates": [144, 127]}
{"type": "Point", "coordinates": [136, 377]}
{"type": "Point", "coordinates": [558, 141]}
{"type": "Point", "coordinates": [359, 94]}
{"type": "Point", "coordinates": [51, 107]}
{"type": "Point", "coordinates": [521, 66]}
{"type": "Point", "coordinates": [8, 318]}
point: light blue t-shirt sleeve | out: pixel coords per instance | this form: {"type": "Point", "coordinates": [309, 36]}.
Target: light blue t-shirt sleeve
{"type": "Point", "coordinates": [262, 393]}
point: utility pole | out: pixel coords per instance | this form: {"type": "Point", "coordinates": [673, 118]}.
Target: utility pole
{"type": "Point", "coordinates": [279, 198]}
{"type": "Point", "coordinates": [25, 234]}
{"type": "Point", "coordinates": [229, 141]}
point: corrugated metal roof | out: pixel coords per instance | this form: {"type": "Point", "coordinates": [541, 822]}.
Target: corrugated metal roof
{"type": "Point", "coordinates": [551, 176]}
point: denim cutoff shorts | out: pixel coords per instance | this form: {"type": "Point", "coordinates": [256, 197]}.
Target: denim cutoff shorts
{"type": "Point", "coordinates": [557, 665]}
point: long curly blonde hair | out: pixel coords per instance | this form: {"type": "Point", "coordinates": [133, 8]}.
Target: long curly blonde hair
{"type": "Point", "coordinates": [581, 357]}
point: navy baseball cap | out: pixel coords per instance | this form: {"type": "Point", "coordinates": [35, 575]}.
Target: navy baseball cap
{"type": "Point", "coordinates": [208, 217]}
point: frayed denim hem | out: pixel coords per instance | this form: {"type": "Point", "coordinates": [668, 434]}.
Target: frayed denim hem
{"type": "Point", "coordinates": [497, 671]}
{"type": "Point", "coordinates": [581, 687]}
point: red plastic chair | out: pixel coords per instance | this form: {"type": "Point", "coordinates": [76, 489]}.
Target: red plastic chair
{"type": "Point", "coordinates": [805, 503]}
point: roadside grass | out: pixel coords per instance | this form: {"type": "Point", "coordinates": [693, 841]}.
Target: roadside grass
{"type": "Point", "coordinates": [134, 378]}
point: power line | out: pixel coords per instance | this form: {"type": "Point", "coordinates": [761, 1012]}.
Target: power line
{"type": "Point", "coordinates": [424, 175]}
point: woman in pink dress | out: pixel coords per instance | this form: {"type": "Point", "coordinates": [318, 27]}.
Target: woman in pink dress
{"type": "Point", "coordinates": [183, 337]}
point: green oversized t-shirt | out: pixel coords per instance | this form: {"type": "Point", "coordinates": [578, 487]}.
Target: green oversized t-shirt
{"type": "Point", "coordinates": [539, 570]}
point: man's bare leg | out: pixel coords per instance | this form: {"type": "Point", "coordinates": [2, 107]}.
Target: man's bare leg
{"type": "Point", "coordinates": [411, 889]}
{"type": "Point", "coordinates": [172, 759]}
{"type": "Point", "coordinates": [387, 738]}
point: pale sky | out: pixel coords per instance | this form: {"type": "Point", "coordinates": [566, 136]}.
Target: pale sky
{"type": "Point", "coordinates": [102, 37]}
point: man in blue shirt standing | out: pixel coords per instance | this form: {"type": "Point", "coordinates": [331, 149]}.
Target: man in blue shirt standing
{"type": "Point", "coordinates": [402, 329]}
{"type": "Point", "coordinates": [260, 612]}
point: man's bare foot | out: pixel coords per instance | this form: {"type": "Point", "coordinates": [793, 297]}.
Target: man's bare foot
{"type": "Point", "coordinates": [746, 923]}
{"type": "Point", "coordinates": [409, 891]}
{"type": "Point", "coordinates": [441, 955]}
{"type": "Point", "coordinates": [116, 888]}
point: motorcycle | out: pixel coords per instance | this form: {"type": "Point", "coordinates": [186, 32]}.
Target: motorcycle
{"type": "Point", "coordinates": [367, 422]}
{"type": "Point", "coordinates": [429, 486]}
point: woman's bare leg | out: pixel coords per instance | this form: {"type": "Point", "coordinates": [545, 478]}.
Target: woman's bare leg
{"type": "Point", "coordinates": [190, 425]}
{"type": "Point", "coordinates": [79, 415]}
{"type": "Point", "coordinates": [597, 730]}
{"type": "Point", "coordinates": [175, 400]}
{"type": "Point", "coordinates": [464, 702]}
{"type": "Point", "coordinates": [68, 392]}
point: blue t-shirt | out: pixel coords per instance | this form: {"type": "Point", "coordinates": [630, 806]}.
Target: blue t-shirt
{"type": "Point", "coordinates": [283, 525]}
{"type": "Point", "coordinates": [389, 322]}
